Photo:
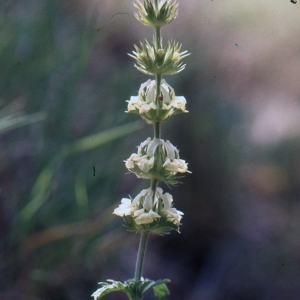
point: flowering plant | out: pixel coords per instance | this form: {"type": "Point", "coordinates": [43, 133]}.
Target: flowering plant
{"type": "Point", "coordinates": [152, 210]}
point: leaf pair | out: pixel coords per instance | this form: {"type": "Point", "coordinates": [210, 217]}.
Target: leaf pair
{"type": "Point", "coordinates": [135, 290]}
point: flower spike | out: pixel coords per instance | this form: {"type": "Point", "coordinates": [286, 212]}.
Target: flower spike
{"type": "Point", "coordinates": [151, 211]}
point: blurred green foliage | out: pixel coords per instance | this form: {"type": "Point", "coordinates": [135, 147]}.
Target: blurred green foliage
{"type": "Point", "coordinates": [61, 139]}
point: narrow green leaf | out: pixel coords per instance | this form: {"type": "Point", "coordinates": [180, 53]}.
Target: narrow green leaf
{"type": "Point", "coordinates": [99, 139]}
{"type": "Point", "coordinates": [9, 122]}
{"type": "Point", "coordinates": [42, 184]}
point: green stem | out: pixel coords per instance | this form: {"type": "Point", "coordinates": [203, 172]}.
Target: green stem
{"type": "Point", "coordinates": [158, 102]}
{"type": "Point", "coordinates": [141, 255]}
{"type": "Point", "coordinates": [158, 38]}
{"type": "Point", "coordinates": [157, 130]}
{"type": "Point", "coordinates": [154, 182]}
{"type": "Point", "coordinates": [156, 5]}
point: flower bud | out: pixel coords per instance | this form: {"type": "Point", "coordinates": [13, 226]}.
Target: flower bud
{"type": "Point", "coordinates": [151, 15]}
{"type": "Point", "coordinates": [153, 60]}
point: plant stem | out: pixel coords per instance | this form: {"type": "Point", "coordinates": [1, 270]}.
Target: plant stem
{"type": "Point", "coordinates": [158, 78]}
{"type": "Point", "coordinates": [157, 130]}
{"type": "Point", "coordinates": [154, 182]}
{"type": "Point", "coordinates": [156, 5]}
{"type": "Point", "coordinates": [141, 255]}
{"type": "Point", "coordinates": [158, 38]}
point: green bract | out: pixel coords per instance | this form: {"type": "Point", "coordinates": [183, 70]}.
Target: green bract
{"type": "Point", "coordinates": [159, 226]}
{"type": "Point", "coordinates": [152, 60]}
{"type": "Point", "coordinates": [151, 15]}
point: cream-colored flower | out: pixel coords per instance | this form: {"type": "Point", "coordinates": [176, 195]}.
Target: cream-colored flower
{"type": "Point", "coordinates": [125, 208]}
{"type": "Point", "coordinates": [145, 100]}
{"type": "Point", "coordinates": [170, 212]}
{"type": "Point", "coordinates": [173, 163]}
{"type": "Point", "coordinates": [176, 165]}
{"type": "Point", "coordinates": [145, 199]}
{"type": "Point", "coordinates": [144, 159]}
{"type": "Point", "coordinates": [170, 100]}
{"type": "Point", "coordinates": [145, 217]}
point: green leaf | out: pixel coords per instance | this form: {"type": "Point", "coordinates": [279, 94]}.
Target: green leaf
{"type": "Point", "coordinates": [101, 138]}
{"type": "Point", "coordinates": [107, 288]}
{"type": "Point", "coordinates": [135, 290]}
{"type": "Point", "coordinates": [15, 121]}
{"type": "Point", "coordinates": [161, 290]}
{"type": "Point", "coordinates": [41, 187]}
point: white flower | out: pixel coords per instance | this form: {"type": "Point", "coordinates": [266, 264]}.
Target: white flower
{"type": "Point", "coordinates": [129, 163]}
{"type": "Point", "coordinates": [170, 100]}
{"type": "Point", "coordinates": [145, 100]}
{"type": "Point", "coordinates": [125, 209]}
{"type": "Point", "coordinates": [137, 200]}
{"type": "Point", "coordinates": [144, 108]}
{"type": "Point", "coordinates": [173, 163]}
{"type": "Point", "coordinates": [144, 159]}
{"type": "Point", "coordinates": [145, 163]}
{"type": "Point", "coordinates": [145, 217]}
{"type": "Point", "coordinates": [170, 212]}
{"type": "Point", "coordinates": [145, 198]}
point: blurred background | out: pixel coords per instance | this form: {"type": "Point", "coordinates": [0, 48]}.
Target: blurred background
{"type": "Point", "coordinates": [65, 76]}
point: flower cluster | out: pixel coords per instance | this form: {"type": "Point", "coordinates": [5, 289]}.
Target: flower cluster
{"type": "Point", "coordinates": [151, 15]}
{"type": "Point", "coordinates": [156, 159]}
{"type": "Point", "coordinates": [156, 108]}
{"type": "Point", "coordinates": [147, 207]}
{"type": "Point", "coordinates": [151, 59]}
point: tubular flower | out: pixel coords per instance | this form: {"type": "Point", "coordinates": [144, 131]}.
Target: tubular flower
{"type": "Point", "coordinates": [125, 208]}
{"type": "Point", "coordinates": [173, 163]}
{"type": "Point", "coordinates": [153, 108]}
{"type": "Point", "coordinates": [151, 59]}
{"type": "Point", "coordinates": [172, 214]}
{"type": "Point", "coordinates": [145, 217]}
{"type": "Point", "coordinates": [150, 15]}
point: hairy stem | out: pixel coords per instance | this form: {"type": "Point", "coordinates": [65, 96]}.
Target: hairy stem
{"type": "Point", "coordinates": [141, 255]}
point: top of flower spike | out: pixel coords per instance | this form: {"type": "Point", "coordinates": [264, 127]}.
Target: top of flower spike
{"type": "Point", "coordinates": [157, 14]}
